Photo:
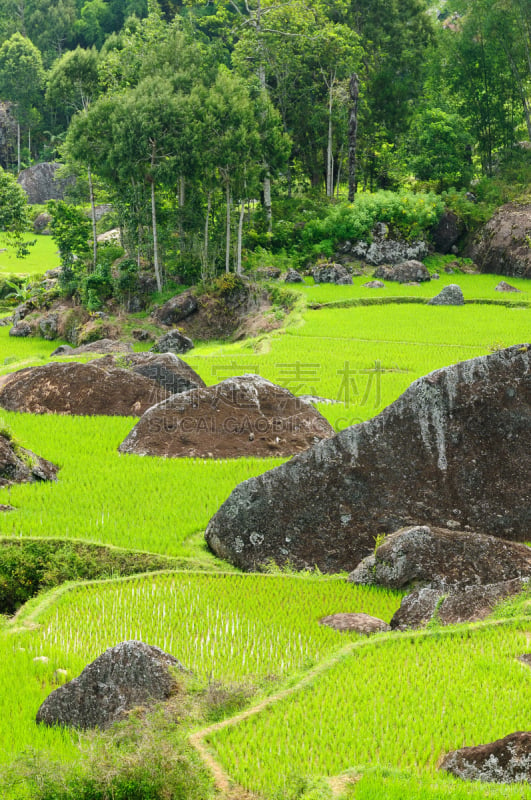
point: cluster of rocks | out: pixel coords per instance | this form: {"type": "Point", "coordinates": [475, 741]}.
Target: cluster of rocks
{"type": "Point", "coordinates": [383, 249]}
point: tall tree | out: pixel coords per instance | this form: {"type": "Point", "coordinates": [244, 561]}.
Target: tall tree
{"type": "Point", "coordinates": [21, 78]}
{"type": "Point", "coordinates": [72, 85]}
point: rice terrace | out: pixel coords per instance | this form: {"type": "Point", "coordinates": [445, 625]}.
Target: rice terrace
{"type": "Point", "coordinates": [265, 400]}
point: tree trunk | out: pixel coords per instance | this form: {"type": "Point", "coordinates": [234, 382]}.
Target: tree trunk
{"type": "Point", "coordinates": [240, 232]}
{"type": "Point", "coordinates": [29, 144]}
{"type": "Point", "coordinates": [329, 154]}
{"type": "Point", "coordinates": [354, 90]}
{"type": "Point", "coordinates": [18, 146]}
{"type": "Point", "coordinates": [93, 218]}
{"type": "Point", "coordinates": [205, 245]}
{"type": "Point", "coordinates": [267, 201]}
{"type": "Point", "coordinates": [227, 243]}
{"type": "Point", "coordinates": [155, 238]}
{"type": "Point", "coordinates": [182, 191]}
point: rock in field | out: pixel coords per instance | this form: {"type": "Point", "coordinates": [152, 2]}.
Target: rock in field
{"type": "Point", "coordinates": [356, 623]}
{"type": "Point", "coordinates": [166, 369]}
{"type": "Point", "coordinates": [331, 273]}
{"type": "Point", "coordinates": [451, 295]}
{"type": "Point", "coordinates": [424, 555]}
{"type": "Point", "coordinates": [405, 272]}
{"type": "Point", "coordinates": [453, 605]}
{"type": "Point", "coordinates": [452, 451]}
{"type": "Point", "coordinates": [126, 676]}
{"type": "Point", "coordinates": [503, 286]}
{"type": "Point", "coordinates": [246, 416]}
{"type": "Point", "coordinates": [100, 346]}
{"type": "Point", "coordinates": [172, 342]}
{"type": "Point", "coordinates": [506, 760]}
{"type": "Point", "coordinates": [18, 465]}
{"type": "Point", "coordinates": [292, 276]}
{"type": "Point", "coordinates": [373, 285]}
{"type": "Point", "coordinates": [73, 388]}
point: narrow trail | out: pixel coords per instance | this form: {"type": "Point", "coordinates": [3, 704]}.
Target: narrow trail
{"type": "Point", "coordinates": [223, 782]}
{"type": "Point", "coordinates": [222, 779]}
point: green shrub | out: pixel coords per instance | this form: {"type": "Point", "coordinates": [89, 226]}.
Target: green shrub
{"type": "Point", "coordinates": [28, 567]}
{"type": "Point", "coordinates": [143, 758]}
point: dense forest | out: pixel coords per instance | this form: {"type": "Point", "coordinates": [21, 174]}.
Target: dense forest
{"type": "Point", "coordinates": [220, 127]}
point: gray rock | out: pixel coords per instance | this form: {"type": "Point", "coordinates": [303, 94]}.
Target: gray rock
{"type": "Point", "coordinates": [124, 677]}
{"type": "Point", "coordinates": [447, 232]}
{"type": "Point", "coordinates": [40, 184]}
{"type": "Point", "coordinates": [450, 295]}
{"type": "Point", "coordinates": [425, 555]}
{"type": "Point", "coordinates": [356, 623]}
{"type": "Point", "coordinates": [21, 330]}
{"type": "Point", "coordinates": [455, 604]}
{"type": "Point", "coordinates": [176, 309]}
{"type": "Point", "coordinates": [41, 222]}
{"type": "Point", "coordinates": [405, 272]}
{"type": "Point", "coordinates": [503, 286]}
{"type": "Point", "coordinates": [166, 369]}
{"type": "Point", "coordinates": [506, 760]}
{"type": "Point", "coordinates": [374, 285]}
{"type": "Point", "coordinates": [431, 457]}
{"type": "Point", "coordinates": [172, 342]}
{"type": "Point", "coordinates": [105, 346]}
{"type": "Point", "coordinates": [19, 465]}
{"type": "Point", "coordinates": [502, 245]}
{"type": "Point", "coordinates": [292, 276]}
{"type": "Point", "coordinates": [331, 273]}
{"type": "Point", "coordinates": [383, 250]}
{"type": "Point", "coordinates": [49, 326]}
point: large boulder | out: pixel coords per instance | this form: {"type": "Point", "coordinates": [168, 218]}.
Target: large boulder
{"type": "Point", "coordinates": [246, 416]}
{"type": "Point", "coordinates": [451, 295]}
{"type": "Point", "coordinates": [331, 273]}
{"type": "Point", "coordinates": [166, 369]}
{"type": "Point", "coordinates": [502, 245]}
{"type": "Point", "coordinates": [454, 605]}
{"type": "Point", "coordinates": [176, 309]}
{"type": "Point", "coordinates": [18, 465]}
{"type": "Point", "coordinates": [506, 760]}
{"type": "Point", "coordinates": [424, 555]}
{"type": "Point", "coordinates": [124, 677]}
{"type": "Point", "coordinates": [74, 388]}
{"type": "Point", "coordinates": [41, 184]}
{"type": "Point", "coordinates": [452, 451]}
{"type": "Point", "coordinates": [292, 276]}
{"type": "Point", "coordinates": [172, 342]}
{"type": "Point", "coordinates": [447, 232]}
{"type": "Point", "coordinates": [405, 272]}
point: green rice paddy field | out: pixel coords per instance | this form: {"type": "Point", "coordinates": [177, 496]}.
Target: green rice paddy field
{"type": "Point", "coordinates": [383, 710]}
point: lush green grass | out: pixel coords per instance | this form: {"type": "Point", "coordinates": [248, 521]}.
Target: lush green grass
{"type": "Point", "coordinates": [475, 287]}
{"type": "Point", "coordinates": [42, 256]}
{"type": "Point", "coordinates": [222, 626]}
{"type": "Point", "coordinates": [401, 704]}
{"type": "Point", "coordinates": [399, 701]}
{"type": "Point", "coordinates": [154, 504]}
